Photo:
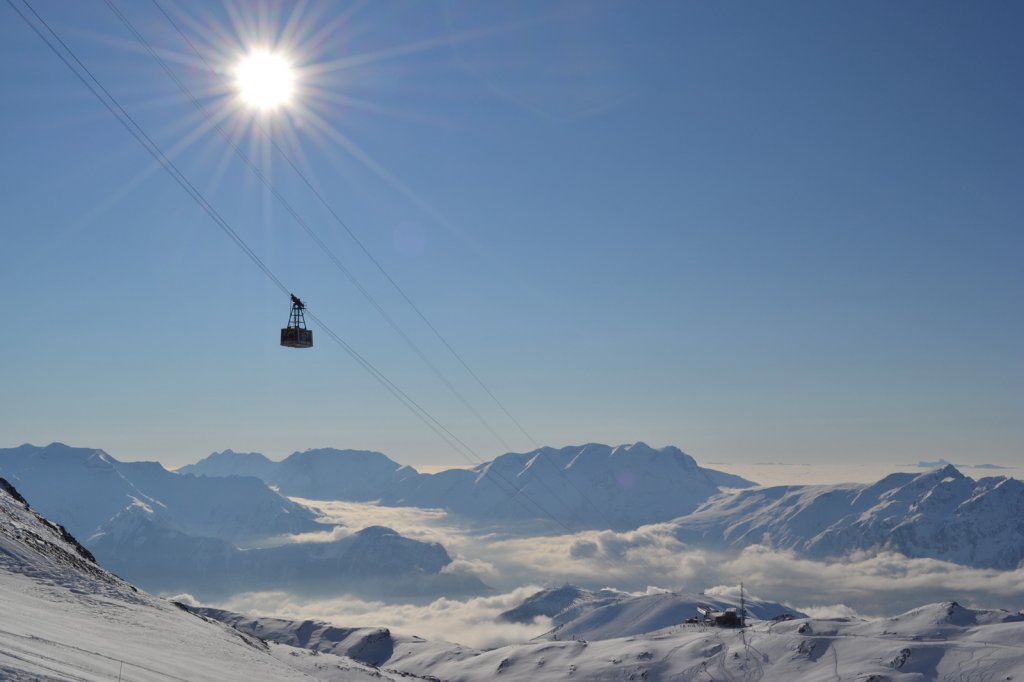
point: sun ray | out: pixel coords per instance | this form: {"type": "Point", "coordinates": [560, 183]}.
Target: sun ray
{"type": "Point", "coordinates": [361, 104]}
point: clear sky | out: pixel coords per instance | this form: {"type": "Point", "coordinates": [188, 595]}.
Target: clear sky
{"type": "Point", "coordinates": [757, 231]}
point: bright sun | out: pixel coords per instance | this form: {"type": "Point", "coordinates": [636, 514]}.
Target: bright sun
{"type": "Point", "coordinates": [265, 80]}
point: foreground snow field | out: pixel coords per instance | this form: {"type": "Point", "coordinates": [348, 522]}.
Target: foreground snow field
{"type": "Point", "coordinates": [65, 618]}
{"type": "Point", "coordinates": [935, 642]}
{"type": "Point", "coordinates": [52, 632]}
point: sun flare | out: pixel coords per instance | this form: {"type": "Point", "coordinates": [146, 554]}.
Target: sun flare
{"type": "Point", "coordinates": [265, 80]}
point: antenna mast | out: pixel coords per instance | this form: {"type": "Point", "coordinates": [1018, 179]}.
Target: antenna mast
{"type": "Point", "coordinates": [743, 608]}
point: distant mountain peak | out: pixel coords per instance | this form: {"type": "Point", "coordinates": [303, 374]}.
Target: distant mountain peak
{"type": "Point", "coordinates": [950, 470]}
{"type": "Point", "coordinates": [376, 532]}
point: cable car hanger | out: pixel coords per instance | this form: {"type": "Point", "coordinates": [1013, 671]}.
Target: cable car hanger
{"type": "Point", "coordinates": [296, 335]}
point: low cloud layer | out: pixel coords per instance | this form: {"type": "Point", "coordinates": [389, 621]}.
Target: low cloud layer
{"type": "Point", "coordinates": [881, 584]}
{"type": "Point", "coordinates": [472, 622]}
{"type": "Point", "coordinates": [871, 584]}
{"type": "Point", "coordinates": [648, 559]}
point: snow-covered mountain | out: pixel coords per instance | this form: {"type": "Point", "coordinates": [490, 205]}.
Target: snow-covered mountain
{"type": "Point", "coordinates": [373, 646]}
{"type": "Point", "coordinates": [561, 604]}
{"type": "Point", "coordinates": [172, 532]}
{"type": "Point", "coordinates": [604, 614]}
{"type": "Point", "coordinates": [634, 615]}
{"type": "Point", "coordinates": [376, 562]}
{"type": "Point", "coordinates": [231, 463]}
{"type": "Point", "coordinates": [587, 486]}
{"type": "Point", "coordinates": [66, 618]}
{"type": "Point", "coordinates": [85, 488]}
{"type": "Point", "coordinates": [319, 474]}
{"type": "Point", "coordinates": [940, 514]}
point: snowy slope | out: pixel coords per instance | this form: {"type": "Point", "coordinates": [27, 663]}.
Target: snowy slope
{"type": "Point", "coordinates": [824, 651]}
{"type": "Point", "coordinates": [594, 486]}
{"type": "Point", "coordinates": [803, 649]}
{"type": "Point", "coordinates": [934, 642]}
{"type": "Point", "coordinates": [373, 646]}
{"type": "Point", "coordinates": [647, 613]}
{"type": "Point", "coordinates": [65, 618]}
{"type": "Point", "coordinates": [606, 614]}
{"type": "Point", "coordinates": [561, 604]}
{"type": "Point", "coordinates": [940, 514]}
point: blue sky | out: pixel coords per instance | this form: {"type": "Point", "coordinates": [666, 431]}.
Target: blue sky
{"type": "Point", "coordinates": [786, 232]}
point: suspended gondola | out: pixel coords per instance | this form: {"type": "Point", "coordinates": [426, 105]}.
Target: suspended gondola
{"type": "Point", "coordinates": [296, 335]}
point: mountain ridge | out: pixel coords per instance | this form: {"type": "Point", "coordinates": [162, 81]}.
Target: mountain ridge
{"type": "Point", "coordinates": [208, 536]}
{"type": "Point", "coordinates": [583, 486]}
{"type": "Point", "coordinates": [939, 514]}
{"type": "Point", "coordinates": [85, 487]}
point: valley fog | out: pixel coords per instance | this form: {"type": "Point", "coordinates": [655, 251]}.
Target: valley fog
{"type": "Point", "coordinates": [519, 561]}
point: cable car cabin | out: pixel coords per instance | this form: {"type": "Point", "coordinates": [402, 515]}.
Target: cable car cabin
{"type": "Point", "coordinates": [297, 338]}
{"type": "Point", "coordinates": [295, 335]}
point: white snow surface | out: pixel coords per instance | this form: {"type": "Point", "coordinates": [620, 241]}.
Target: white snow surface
{"type": "Point", "coordinates": [561, 604]}
{"type": "Point", "coordinates": [636, 615]}
{"type": "Point", "coordinates": [65, 618]}
{"type": "Point", "coordinates": [824, 650]}
{"type": "Point", "coordinates": [935, 642]}
{"type": "Point", "coordinates": [605, 614]}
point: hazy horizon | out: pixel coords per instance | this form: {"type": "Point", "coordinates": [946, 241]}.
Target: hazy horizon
{"type": "Point", "coordinates": [794, 472]}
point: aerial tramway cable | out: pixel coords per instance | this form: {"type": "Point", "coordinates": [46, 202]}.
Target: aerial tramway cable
{"type": "Point", "coordinates": [128, 122]}
{"type": "Point", "coordinates": [140, 135]}
{"type": "Point", "coordinates": [338, 219]}
{"type": "Point", "coordinates": [291, 333]}
{"type": "Point", "coordinates": [293, 212]}
{"type": "Point", "coordinates": [336, 260]}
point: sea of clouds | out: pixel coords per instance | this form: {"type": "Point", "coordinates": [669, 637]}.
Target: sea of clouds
{"type": "Point", "coordinates": [518, 562]}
